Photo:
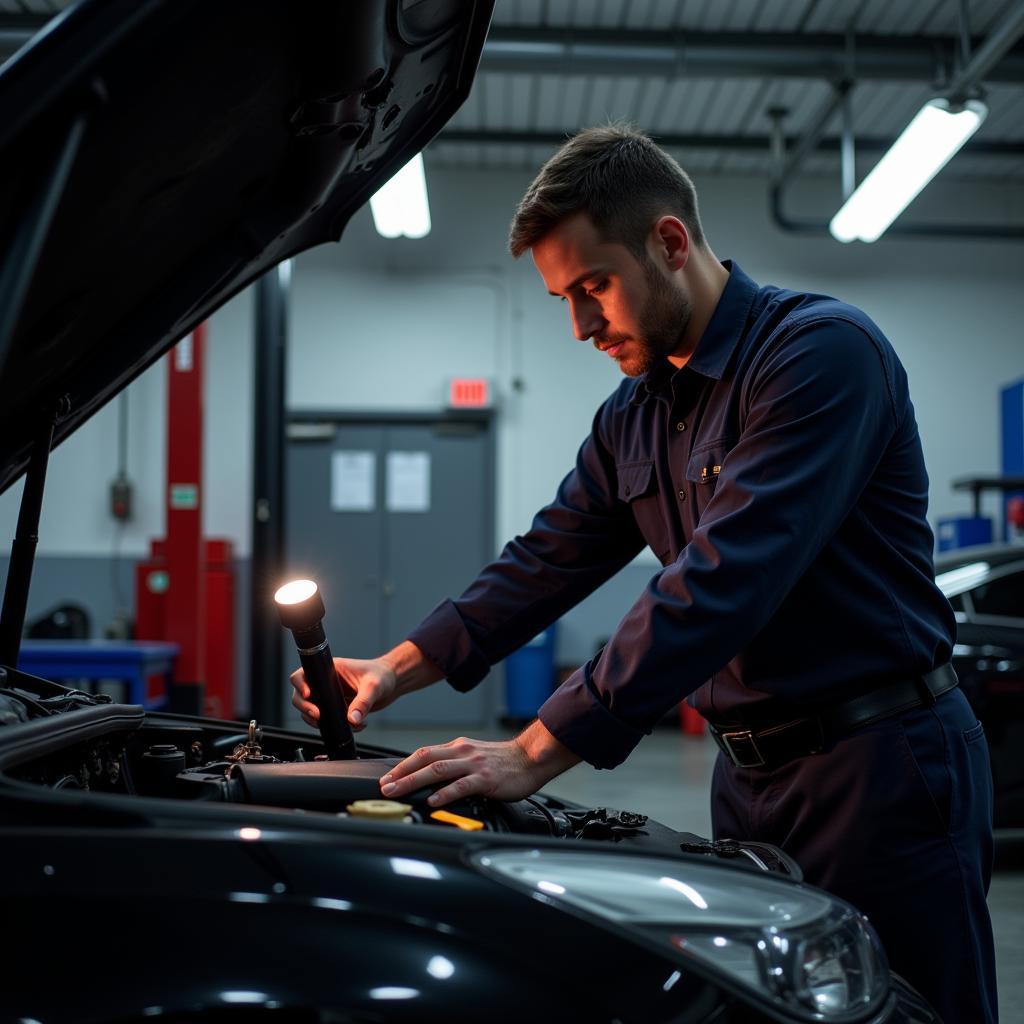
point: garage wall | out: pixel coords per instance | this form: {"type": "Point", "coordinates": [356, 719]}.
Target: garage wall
{"type": "Point", "coordinates": [380, 325]}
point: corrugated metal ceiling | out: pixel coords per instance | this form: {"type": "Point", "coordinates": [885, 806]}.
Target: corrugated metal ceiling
{"type": "Point", "coordinates": [551, 104]}
{"type": "Point", "coordinates": [896, 17]}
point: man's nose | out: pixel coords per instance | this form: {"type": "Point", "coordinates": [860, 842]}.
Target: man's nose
{"type": "Point", "coordinates": [586, 319]}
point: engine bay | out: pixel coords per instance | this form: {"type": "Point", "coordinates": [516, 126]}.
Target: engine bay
{"type": "Point", "coordinates": [193, 760]}
{"type": "Point", "coordinates": [273, 768]}
{"type": "Point", "coordinates": [71, 740]}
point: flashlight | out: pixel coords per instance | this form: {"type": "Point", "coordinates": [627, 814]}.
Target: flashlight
{"type": "Point", "coordinates": [302, 610]}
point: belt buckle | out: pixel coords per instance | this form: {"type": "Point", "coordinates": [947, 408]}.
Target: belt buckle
{"type": "Point", "coordinates": [726, 740]}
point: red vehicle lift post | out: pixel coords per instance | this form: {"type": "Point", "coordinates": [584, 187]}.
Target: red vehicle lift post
{"type": "Point", "coordinates": [185, 609]}
{"type": "Point", "coordinates": [185, 590]}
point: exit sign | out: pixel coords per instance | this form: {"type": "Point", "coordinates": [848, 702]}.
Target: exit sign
{"type": "Point", "coordinates": [469, 393]}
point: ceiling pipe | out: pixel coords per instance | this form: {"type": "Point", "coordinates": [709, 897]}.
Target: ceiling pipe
{"type": "Point", "coordinates": [987, 56]}
{"type": "Point", "coordinates": [815, 132]}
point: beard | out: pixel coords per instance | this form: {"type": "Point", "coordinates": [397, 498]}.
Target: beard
{"type": "Point", "coordinates": [662, 323]}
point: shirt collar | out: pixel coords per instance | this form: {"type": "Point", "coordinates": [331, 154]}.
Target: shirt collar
{"type": "Point", "coordinates": [719, 339]}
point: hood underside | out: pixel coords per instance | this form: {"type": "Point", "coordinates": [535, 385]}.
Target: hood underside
{"type": "Point", "coordinates": [159, 157]}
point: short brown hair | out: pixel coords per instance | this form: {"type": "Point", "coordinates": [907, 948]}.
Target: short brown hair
{"type": "Point", "coordinates": [619, 178]}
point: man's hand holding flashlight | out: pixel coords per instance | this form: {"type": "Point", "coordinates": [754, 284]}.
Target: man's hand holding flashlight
{"type": "Point", "coordinates": [369, 685]}
{"type": "Point", "coordinates": [505, 770]}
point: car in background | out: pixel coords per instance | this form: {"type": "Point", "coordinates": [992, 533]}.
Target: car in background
{"type": "Point", "coordinates": [985, 586]}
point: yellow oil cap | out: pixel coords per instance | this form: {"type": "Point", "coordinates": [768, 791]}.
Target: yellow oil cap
{"type": "Point", "coordinates": [379, 810]}
{"type": "Point", "coordinates": [466, 824]}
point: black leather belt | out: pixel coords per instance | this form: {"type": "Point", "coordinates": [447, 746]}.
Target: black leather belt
{"type": "Point", "coordinates": [770, 746]}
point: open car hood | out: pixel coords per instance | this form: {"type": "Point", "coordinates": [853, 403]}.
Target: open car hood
{"type": "Point", "coordinates": [203, 143]}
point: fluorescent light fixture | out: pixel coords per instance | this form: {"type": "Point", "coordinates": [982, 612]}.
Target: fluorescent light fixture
{"type": "Point", "coordinates": [927, 144]}
{"type": "Point", "coordinates": [400, 207]}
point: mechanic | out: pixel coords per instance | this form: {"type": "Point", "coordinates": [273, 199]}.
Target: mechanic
{"type": "Point", "coordinates": [764, 446]}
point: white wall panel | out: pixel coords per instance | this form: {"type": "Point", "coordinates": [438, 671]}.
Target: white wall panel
{"type": "Point", "coordinates": [75, 517]}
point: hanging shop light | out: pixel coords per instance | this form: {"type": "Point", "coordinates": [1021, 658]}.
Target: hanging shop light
{"type": "Point", "coordinates": [400, 207]}
{"type": "Point", "coordinates": [927, 144]}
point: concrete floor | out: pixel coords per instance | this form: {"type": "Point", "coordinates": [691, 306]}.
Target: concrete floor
{"type": "Point", "coordinates": [668, 776]}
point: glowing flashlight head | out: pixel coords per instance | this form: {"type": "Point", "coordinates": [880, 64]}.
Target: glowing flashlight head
{"type": "Point", "coordinates": [299, 604]}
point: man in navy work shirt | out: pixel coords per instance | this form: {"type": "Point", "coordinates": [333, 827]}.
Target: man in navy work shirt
{"type": "Point", "coordinates": [764, 446]}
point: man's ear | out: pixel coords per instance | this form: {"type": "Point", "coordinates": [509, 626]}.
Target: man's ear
{"type": "Point", "coordinates": [671, 242]}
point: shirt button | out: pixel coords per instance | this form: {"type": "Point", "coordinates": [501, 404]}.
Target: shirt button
{"type": "Point", "coordinates": [682, 495]}
{"type": "Point", "coordinates": [681, 426]}
{"type": "Point", "coordinates": [626, 491]}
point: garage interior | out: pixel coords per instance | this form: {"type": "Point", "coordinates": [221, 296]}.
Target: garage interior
{"type": "Point", "coordinates": [382, 414]}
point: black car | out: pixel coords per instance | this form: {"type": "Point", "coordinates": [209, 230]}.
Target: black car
{"type": "Point", "coordinates": [156, 158]}
{"type": "Point", "coordinates": [985, 585]}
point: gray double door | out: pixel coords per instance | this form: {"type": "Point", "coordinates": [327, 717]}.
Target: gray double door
{"type": "Point", "coordinates": [390, 518]}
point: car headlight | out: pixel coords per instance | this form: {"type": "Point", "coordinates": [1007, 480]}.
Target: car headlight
{"type": "Point", "coordinates": [789, 946]}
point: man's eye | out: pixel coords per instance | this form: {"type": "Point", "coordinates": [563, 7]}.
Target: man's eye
{"type": "Point", "coordinates": [598, 288]}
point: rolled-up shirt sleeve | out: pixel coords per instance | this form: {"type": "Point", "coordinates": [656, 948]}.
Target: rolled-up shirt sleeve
{"type": "Point", "coordinates": [819, 412]}
{"type": "Point", "coordinates": [575, 544]}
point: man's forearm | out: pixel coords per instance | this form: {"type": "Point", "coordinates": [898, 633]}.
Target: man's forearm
{"type": "Point", "coordinates": [413, 670]}
{"type": "Point", "coordinates": [549, 756]}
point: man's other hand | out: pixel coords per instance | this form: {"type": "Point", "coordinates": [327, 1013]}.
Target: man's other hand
{"type": "Point", "coordinates": [367, 686]}
{"type": "Point", "coordinates": [503, 770]}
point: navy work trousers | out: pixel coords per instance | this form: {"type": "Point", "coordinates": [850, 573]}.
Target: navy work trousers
{"type": "Point", "coordinates": [895, 818]}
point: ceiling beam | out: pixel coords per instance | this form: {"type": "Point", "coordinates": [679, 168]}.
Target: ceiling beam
{"type": "Point", "coordinates": [721, 143]}
{"type": "Point", "coordinates": [679, 54]}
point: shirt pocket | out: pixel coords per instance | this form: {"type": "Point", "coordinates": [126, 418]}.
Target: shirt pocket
{"type": "Point", "coordinates": [638, 487]}
{"type": "Point", "coordinates": [702, 471]}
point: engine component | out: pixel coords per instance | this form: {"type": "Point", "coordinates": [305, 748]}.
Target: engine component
{"type": "Point", "coordinates": [460, 821]}
{"type": "Point", "coordinates": [601, 823]}
{"type": "Point", "coordinates": [250, 752]}
{"type": "Point", "coordinates": [158, 769]}
{"type": "Point", "coordinates": [380, 810]}
{"type": "Point", "coordinates": [313, 785]}
{"type": "Point", "coordinates": [763, 856]}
